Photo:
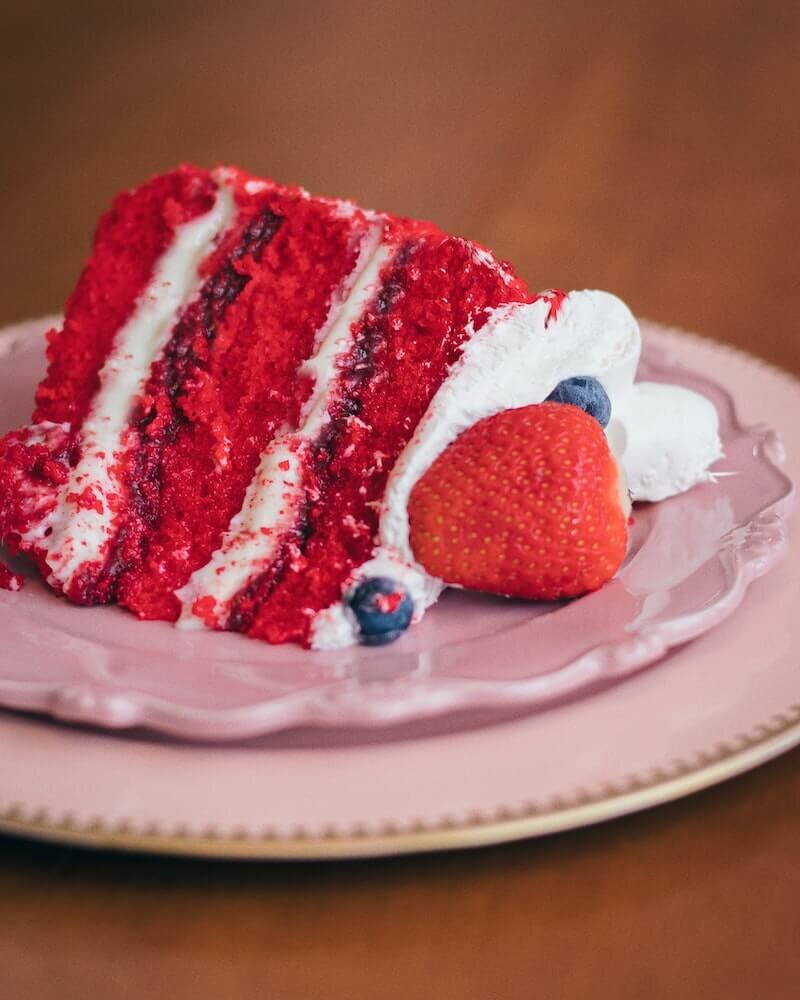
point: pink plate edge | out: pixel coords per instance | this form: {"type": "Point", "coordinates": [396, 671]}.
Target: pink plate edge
{"type": "Point", "coordinates": [764, 739]}
{"type": "Point", "coordinates": [751, 553]}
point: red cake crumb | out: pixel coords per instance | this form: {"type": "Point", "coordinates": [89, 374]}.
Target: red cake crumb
{"type": "Point", "coordinates": [34, 462]}
{"type": "Point", "coordinates": [387, 603]}
{"type": "Point", "coordinates": [10, 580]}
{"type": "Point", "coordinates": [556, 299]}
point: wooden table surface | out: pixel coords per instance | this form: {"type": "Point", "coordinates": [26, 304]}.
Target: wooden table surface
{"type": "Point", "coordinates": [651, 149]}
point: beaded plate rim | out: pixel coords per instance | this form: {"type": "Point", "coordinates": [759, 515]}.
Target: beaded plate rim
{"type": "Point", "coordinates": [726, 759]}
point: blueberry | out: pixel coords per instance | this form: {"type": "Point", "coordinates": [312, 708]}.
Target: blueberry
{"type": "Point", "coordinates": [383, 610]}
{"type": "Point", "coordinates": [585, 392]}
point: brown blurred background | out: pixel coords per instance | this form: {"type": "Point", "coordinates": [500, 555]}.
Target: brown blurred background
{"type": "Point", "coordinates": [649, 148]}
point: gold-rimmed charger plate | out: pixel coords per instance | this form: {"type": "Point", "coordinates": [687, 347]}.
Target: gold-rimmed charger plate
{"type": "Point", "coordinates": [714, 708]}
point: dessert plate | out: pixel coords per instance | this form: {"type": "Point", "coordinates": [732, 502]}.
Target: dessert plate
{"type": "Point", "coordinates": [394, 751]}
{"type": "Point", "coordinates": [691, 559]}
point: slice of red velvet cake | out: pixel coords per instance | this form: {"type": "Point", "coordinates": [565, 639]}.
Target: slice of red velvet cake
{"type": "Point", "coordinates": [239, 368]}
{"type": "Point", "coordinates": [250, 383]}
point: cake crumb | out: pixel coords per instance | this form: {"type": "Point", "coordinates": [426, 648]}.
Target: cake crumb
{"type": "Point", "coordinates": [9, 580]}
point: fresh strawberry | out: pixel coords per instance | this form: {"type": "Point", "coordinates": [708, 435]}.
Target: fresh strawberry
{"type": "Point", "coordinates": [526, 503]}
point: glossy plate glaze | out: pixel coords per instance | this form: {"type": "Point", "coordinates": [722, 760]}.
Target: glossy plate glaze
{"type": "Point", "coordinates": [389, 770]}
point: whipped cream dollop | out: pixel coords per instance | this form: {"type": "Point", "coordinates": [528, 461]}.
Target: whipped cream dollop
{"type": "Point", "coordinates": [666, 437]}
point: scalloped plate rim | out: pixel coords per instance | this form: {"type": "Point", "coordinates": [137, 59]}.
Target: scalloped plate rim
{"type": "Point", "coordinates": [95, 704]}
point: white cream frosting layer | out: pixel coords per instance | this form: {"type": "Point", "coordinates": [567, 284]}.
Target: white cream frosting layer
{"type": "Point", "coordinates": [665, 436]}
{"type": "Point", "coordinates": [81, 530]}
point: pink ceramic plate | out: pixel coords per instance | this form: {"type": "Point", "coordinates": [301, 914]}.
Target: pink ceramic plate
{"type": "Point", "coordinates": [690, 562]}
{"type": "Point", "coordinates": [712, 707]}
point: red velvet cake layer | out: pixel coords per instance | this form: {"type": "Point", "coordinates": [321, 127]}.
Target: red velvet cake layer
{"type": "Point", "coordinates": [129, 240]}
{"type": "Point", "coordinates": [404, 344]}
{"type": "Point", "coordinates": [226, 384]}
